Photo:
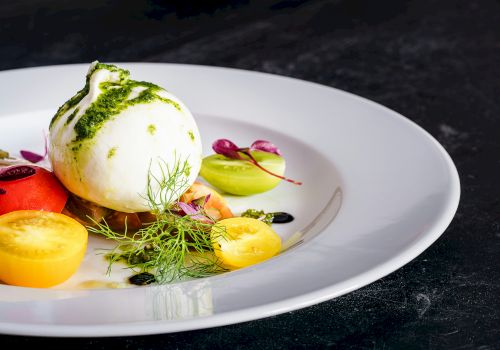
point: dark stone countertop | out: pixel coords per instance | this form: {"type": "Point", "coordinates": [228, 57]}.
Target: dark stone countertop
{"type": "Point", "coordinates": [436, 62]}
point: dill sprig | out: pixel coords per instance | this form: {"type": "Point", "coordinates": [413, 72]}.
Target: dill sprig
{"type": "Point", "coordinates": [162, 192]}
{"type": "Point", "coordinates": [172, 246]}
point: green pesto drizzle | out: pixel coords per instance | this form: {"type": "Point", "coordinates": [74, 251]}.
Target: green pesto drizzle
{"type": "Point", "coordinates": [113, 100]}
{"type": "Point", "coordinates": [191, 135]}
{"type": "Point", "coordinates": [259, 215]}
{"type": "Point", "coordinates": [112, 152]}
{"type": "Point", "coordinates": [152, 129]}
{"type": "Point", "coordinates": [73, 101]}
{"type": "Point", "coordinates": [72, 116]}
{"type": "Point", "coordinates": [76, 147]}
{"type": "Point", "coordinates": [70, 103]}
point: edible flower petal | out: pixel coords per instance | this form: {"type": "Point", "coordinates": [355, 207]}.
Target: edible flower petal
{"type": "Point", "coordinates": [229, 149]}
{"type": "Point", "coordinates": [193, 211]}
{"type": "Point", "coordinates": [226, 148]}
{"type": "Point", "coordinates": [32, 156]}
{"type": "Point", "coordinates": [265, 146]}
{"type": "Point", "coordinates": [35, 157]}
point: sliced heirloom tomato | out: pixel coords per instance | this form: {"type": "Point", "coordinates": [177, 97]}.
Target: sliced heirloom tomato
{"type": "Point", "coordinates": [241, 242]}
{"type": "Point", "coordinates": [241, 177]}
{"type": "Point", "coordinates": [40, 249]}
{"type": "Point", "coordinates": [27, 187]}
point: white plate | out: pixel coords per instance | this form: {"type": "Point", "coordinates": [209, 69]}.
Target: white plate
{"type": "Point", "coordinates": [377, 191]}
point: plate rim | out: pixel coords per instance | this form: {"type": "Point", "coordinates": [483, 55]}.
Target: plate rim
{"type": "Point", "coordinates": [396, 262]}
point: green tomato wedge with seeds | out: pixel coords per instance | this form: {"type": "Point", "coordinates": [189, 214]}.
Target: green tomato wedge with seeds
{"type": "Point", "coordinates": [241, 177]}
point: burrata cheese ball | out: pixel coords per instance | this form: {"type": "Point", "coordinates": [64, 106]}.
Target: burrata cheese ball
{"type": "Point", "coordinates": [117, 142]}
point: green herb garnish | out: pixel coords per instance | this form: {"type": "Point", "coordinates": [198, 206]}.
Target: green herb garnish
{"type": "Point", "coordinates": [259, 215]}
{"type": "Point", "coordinates": [172, 246]}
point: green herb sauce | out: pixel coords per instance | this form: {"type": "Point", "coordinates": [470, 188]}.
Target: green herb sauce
{"type": "Point", "coordinates": [73, 101]}
{"type": "Point", "coordinates": [152, 129]}
{"type": "Point", "coordinates": [259, 215]}
{"type": "Point", "coordinates": [113, 100]}
{"type": "Point", "coordinates": [72, 116]}
{"type": "Point", "coordinates": [112, 152]}
{"type": "Point", "coordinates": [191, 135]}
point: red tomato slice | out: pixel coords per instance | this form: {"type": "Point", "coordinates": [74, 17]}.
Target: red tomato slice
{"type": "Point", "coordinates": [27, 187]}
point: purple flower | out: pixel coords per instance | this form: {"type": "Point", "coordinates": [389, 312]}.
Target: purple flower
{"type": "Point", "coordinates": [194, 211]}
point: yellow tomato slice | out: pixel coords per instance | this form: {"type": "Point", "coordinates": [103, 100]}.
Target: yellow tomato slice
{"type": "Point", "coordinates": [40, 249]}
{"type": "Point", "coordinates": [241, 242]}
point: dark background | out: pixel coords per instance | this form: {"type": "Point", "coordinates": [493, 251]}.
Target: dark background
{"type": "Point", "coordinates": [436, 62]}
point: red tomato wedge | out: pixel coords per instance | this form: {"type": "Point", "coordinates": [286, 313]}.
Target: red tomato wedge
{"type": "Point", "coordinates": [27, 187]}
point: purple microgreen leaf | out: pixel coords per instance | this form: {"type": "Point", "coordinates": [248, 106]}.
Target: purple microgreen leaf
{"type": "Point", "coordinates": [226, 148]}
{"type": "Point", "coordinates": [207, 198]}
{"type": "Point", "coordinates": [201, 202]}
{"type": "Point", "coordinates": [230, 150]}
{"type": "Point", "coordinates": [31, 156]}
{"type": "Point", "coordinates": [202, 218]}
{"type": "Point", "coordinates": [193, 213]}
{"type": "Point", "coordinates": [265, 146]}
{"type": "Point", "coordinates": [35, 157]}
{"type": "Point", "coordinates": [187, 209]}
{"type": "Point", "coordinates": [16, 172]}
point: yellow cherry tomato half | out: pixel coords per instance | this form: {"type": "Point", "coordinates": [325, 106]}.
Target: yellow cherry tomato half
{"type": "Point", "coordinates": [40, 249]}
{"type": "Point", "coordinates": [241, 242]}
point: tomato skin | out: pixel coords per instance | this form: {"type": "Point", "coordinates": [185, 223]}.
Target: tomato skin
{"type": "Point", "coordinates": [241, 177]}
{"type": "Point", "coordinates": [40, 249]}
{"type": "Point", "coordinates": [245, 241]}
{"type": "Point", "coordinates": [39, 191]}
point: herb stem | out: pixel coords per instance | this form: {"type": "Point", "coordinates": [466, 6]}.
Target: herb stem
{"type": "Point", "coordinates": [252, 160]}
{"type": "Point", "coordinates": [166, 246]}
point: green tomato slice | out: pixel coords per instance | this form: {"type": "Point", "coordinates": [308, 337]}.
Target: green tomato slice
{"type": "Point", "coordinates": [241, 177]}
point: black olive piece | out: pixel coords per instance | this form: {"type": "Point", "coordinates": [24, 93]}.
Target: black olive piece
{"type": "Point", "coordinates": [142, 279]}
{"type": "Point", "coordinates": [282, 218]}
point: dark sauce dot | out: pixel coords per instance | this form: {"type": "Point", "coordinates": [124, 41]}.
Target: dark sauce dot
{"type": "Point", "coordinates": [2, 191]}
{"type": "Point", "coordinates": [142, 279]}
{"type": "Point", "coordinates": [282, 218]}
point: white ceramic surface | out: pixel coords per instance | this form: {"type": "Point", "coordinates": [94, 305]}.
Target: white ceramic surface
{"type": "Point", "coordinates": [378, 190]}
